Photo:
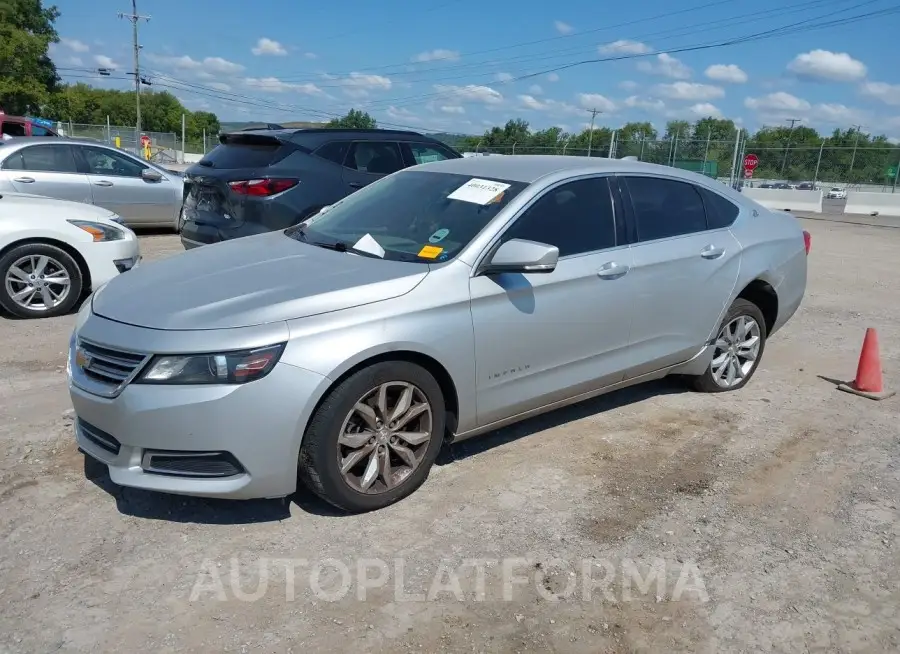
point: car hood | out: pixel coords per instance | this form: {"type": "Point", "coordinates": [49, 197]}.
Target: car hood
{"type": "Point", "coordinates": [28, 203]}
{"type": "Point", "coordinates": [250, 281]}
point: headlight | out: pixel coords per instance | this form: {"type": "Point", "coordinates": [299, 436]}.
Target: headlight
{"type": "Point", "coordinates": [225, 368]}
{"type": "Point", "coordinates": [100, 231]}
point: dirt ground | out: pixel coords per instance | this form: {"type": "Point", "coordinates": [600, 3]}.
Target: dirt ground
{"type": "Point", "coordinates": [769, 514]}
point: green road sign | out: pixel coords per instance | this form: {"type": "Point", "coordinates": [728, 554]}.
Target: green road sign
{"type": "Point", "coordinates": [892, 172]}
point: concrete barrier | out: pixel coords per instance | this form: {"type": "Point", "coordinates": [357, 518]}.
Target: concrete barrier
{"type": "Point", "coordinates": [869, 204]}
{"type": "Point", "coordinates": [786, 199]}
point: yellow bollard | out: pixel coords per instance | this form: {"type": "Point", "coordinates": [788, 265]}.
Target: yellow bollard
{"type": "Point", "coordinates": [118, 141]}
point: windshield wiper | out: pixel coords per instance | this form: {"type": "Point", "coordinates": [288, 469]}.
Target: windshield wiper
{"type": "Point", "coordinates": [337, 246]}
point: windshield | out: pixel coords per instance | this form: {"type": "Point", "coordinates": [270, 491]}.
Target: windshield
{"type": "Point", "coordinates": [410, 216]}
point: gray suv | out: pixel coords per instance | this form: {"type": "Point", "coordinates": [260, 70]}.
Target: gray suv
{"type": "Point", "coordinates": [264, 180]}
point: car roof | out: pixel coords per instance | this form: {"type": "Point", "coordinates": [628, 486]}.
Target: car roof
{"type": "Point", "coordinates": [30, 140]}
{"type": "Point", "coordinates": [529, 168]}
{"type": "Point", "coordinates": [313, 137]}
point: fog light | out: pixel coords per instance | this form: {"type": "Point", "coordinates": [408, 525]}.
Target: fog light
{"type": "Point", "coordinates": [124, 265]}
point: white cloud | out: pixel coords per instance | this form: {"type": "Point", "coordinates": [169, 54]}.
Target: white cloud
{"type": "Point", "coordinates": [624, 46]}
{"type": "Point", "coordinates": [399, 113]}
{"type": "Point", "coordinates": [105, 62]}
{"type": "Point", "coordinates": [887, 93]}
{"type": "Point", "coordinates": [552, 77]}
{"type": "Point", "coordinates": [219, 86]}
{"type": "Point", "coordinates": [828, 66]}
{"type": "Point", "coordinates": [777, 104]}
{"type": "Point", "coordinates": [205, 69]}
{"type": "Point", "coordinates": [471, 93]}
{"type": "Point", "coordinates": [554, 107]}
{"type": "Point", "coordinates": [74, 45]}
{"type": "Point", "coordinates": [838, 114]}
{"type": "Point", "coordinates": [275, 85]}
{"type": "Point", "coordinates": [726, 73]}
{"type": "Point", "coordinates": [437, 55]}
{"type": "Point", "coordinates": [453, 109]}
{"type": "Point", "coordinates": [596, 101]}
{"type": "Point", "coordinates": [535, 89]}
{"type": "Point", "coordinates": [310, 55]}
{"type": "Point", "coordinates": [666, 66]}
{"type": "Point", "coordinates": [74, 61]}
{"type": "Point", "coordinates": [504, 78]}
{"type": "Point", "coordinates": [359, 85]}
{"type": "Point", "coordinates": [648, 104]}
{"type": "Point", "coordinates": [779, 107]}
{"type": "Point", "coordinates": [628, 85]}
{"type": "Point", "coordinates": [269, 47]}
{"type": "Point", "coordinates": [705, 109]}
{"type": "Point", "coordinates": [563, 28]}
{"type": "Point", "coordinates": [690, 91]}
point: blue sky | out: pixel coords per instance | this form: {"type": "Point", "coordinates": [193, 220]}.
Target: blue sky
{"type": "Point", "coordinates": [464, 65]}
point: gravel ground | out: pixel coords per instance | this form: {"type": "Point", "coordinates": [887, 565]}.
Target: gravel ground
{"type": "Point", "coordinates": [769, 515]}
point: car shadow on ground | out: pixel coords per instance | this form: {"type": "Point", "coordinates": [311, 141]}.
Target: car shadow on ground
{"type": "Point", "coordinates": [174, 508]}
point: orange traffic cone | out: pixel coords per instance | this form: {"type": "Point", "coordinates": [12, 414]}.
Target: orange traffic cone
{"type": "Point", "coordinates": [868, 382]}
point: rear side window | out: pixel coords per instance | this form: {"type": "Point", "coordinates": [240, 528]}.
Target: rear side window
{"type": "Point", "coordinates": [426, 153]}
{"type": "Point", "coordinates": [664, 208]}
{"type": "Point", "coordinates": [44, 159]}
{"type": "Point", "coordinates": [246, 151]}
{"type": "Point", "coordinates": [336, 151]}
{"type": "Point", "coordinates": [719, 211]}
{"type": "Point", "coordinates": [376, 157]}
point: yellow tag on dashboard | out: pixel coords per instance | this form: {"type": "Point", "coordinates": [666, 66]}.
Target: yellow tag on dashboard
{"type": "Point", "coordinates": [430, 252]}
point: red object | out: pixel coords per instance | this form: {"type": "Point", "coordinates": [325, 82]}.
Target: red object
{"type": "Point", "coordinates": [261, 188]}
{"type": "Point", "coordinates": [807, 241]}
{"type": "Point", "coordinates": [751, 161]}
{"type": "Point", "coordinates": [868, 373]}
{"type": "Point", "coordinates": [145, 140]}
{"type": "Point", "coordinates": [748, 173]}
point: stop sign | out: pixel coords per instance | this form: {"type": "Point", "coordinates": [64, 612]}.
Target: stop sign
{"type": "Point", "coordinates": [751, 161]}
{"type": "Point", "coordinates": [145, 141]}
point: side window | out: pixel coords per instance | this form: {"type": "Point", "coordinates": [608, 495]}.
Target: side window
{"type": "Point", "coordinates": [37, 130]}
{"type": "Point", "coordinates": [43, 159]}
{"type": "Point", "coordinates": [336, 151]}
{"type": "Point", "coordinates": [101, 161]}
{"type": "Point", "coordinates": [720, 212]}
{"type": "Point", "coordinates": [575, 217]}
{"type": "Point", "coordinates": [665, 207]}
{"type": "Point", "coordinates": [425, 153]}
{"type": "Point", "coordinates": [379, 158]}
{"type": "Point", "coordinates": [10, 128]}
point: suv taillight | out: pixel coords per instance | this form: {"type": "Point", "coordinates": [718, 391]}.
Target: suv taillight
{"type": "Point", "coordinates": [261, 188]}
{"type": "Point", "coordinates": [807, 241]}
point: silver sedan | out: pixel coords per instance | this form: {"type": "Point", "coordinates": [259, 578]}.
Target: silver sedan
{"type": "Point", "coordinates": [438, 303]}
{"type": "Point", "coordinates": [142, 193]}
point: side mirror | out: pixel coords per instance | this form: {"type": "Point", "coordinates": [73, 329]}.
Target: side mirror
{"type": "Point", "coordinates": [150, 175]}
{"type": "Point", "coordinates": [522, 256]}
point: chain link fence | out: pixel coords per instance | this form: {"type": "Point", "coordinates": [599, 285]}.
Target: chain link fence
{"type": "Point", "coordinates": [165, 147]}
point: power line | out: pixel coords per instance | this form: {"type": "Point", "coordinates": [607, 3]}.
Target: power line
{"type": "Point", "coordinates": [135, 17]}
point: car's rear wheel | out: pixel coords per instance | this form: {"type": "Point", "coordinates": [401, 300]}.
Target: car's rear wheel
{"type": "Point", "coordinates": [39, 281]}
{"type": "Point", "coordinates": [374, 438]}
{"type": "Point", "coordinates": [739, 347]}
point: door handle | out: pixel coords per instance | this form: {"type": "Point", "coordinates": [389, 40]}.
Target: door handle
{"type": "Point", "coordinates": [612, 270]}
{"type": "Point", "coordinates": [24, 180]}
{"type": "Point", "coordinates": [712, 252]}
{"type": "Point", "coordinates": [103, 182]}
{"type": "Point", "coordinates": [356, 184]}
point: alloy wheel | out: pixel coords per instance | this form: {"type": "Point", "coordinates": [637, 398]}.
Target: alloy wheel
{"type": "Point", "coordinates": [38, 282]}
{"type": "Point", "coordinates": [384, 437]}
{"type": "Point", "coordinates": [737, 350]}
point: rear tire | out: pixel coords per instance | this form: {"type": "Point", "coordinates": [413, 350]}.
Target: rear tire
{"type": "Point", "coordinates": [38, 280]}
{"type": "Point", "coordinates": [366, 445]}
{"type": "Point", "coordinates": [739, 346]}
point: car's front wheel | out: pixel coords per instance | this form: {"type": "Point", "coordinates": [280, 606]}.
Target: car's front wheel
{"type": "Point", "coordinates": [738, 349]}
{"type": "Point", "coordinates": [374, 438]}
{"type": "Point", "coordinates": [39, 281]}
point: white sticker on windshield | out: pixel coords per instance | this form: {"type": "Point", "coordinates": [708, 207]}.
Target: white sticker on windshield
{"type": "Point", "coordinates": [478, 191]}
{"type": "Point", "coordinates": [370, 245]}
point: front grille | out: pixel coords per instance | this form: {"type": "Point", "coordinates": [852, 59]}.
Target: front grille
{"type": "Point", "coordinates": [99, 437]}
{"type": "Point", "coordinates": [191, 464]}
{"type": "Point", "coordinates": [106, 365]}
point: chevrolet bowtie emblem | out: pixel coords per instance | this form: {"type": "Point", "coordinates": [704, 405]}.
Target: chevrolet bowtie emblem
{"type": "Point", "coordinates": [82, 359]}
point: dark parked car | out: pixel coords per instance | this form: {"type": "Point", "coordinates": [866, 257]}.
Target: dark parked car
{"type": "Point", "coordinates": [266, 180]}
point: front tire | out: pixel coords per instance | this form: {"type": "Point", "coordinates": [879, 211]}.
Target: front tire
{"type": "Point", "coordinates": [739, 346]}
{"type": "Point", "coordinates": [39, 281]}
{"type": "Point", "coordinates": [374, 438]}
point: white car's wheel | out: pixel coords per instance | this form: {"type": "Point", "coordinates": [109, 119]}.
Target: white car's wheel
{"type": "Point", "coordinates": [39, 281]}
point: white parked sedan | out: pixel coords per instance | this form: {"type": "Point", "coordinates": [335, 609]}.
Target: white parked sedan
{"type": "Point", "coordinates": [837, 194]}
{"type": "Point", "coordinates": [52, 252]}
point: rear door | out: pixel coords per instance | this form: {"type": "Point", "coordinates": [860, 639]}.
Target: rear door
{"type": "Point", "coordinates": [46, 169]}
{"type": "Point", "coordinates": [685, 265]}
{"type": "Point", "coordinates": [369, 161]}
{"type": "Point", "coordinates": [117, 184]}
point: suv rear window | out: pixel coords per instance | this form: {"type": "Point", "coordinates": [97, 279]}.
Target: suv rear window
{"type": "Point", "coordinates": [246, 151]}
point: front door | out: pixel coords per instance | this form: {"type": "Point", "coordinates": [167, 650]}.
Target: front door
{"type": "Point", "coordinates": [369, 161]}
{"type": "Point", "coordinates": [684, 270]}
{"type": "Point", "coordinates": [544, 337]}
{"type": "Point", "coordinates": [46, 169]}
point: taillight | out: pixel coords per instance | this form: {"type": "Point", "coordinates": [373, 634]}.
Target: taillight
{"type": "Point", "coordinates": [260, 188]}
{"type": "Point", "coordinates": [807, 241]}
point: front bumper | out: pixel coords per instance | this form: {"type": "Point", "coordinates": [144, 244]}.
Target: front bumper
{"type": "Point", "coordinates": [257, 426]}
{"type": "Point", "coordinates": [107, 260]}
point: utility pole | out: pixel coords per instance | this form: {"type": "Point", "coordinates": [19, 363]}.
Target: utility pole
{"type": "Point", "coordinates": [594, 113]}
{"type": "Point", "coordinates": [134, 17]}
{"type": "Point", "coordinates": [792, 121]}
{"type": "Point", "coordinates": [853, 156]}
